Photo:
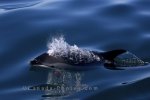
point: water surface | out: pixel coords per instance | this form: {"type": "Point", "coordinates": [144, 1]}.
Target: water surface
{"type": "Point", "coordinates": [27, 25]}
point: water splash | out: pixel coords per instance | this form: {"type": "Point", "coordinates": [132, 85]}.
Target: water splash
{"type": "Point", "coordinates": [58, 47]}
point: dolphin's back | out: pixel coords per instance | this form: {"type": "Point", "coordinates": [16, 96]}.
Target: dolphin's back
{"type": "Point", "coordinates": [109, 59]}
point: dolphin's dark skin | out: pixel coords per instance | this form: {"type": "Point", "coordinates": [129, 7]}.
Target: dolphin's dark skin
{"type": "Point", "coordinates": [107, 58]}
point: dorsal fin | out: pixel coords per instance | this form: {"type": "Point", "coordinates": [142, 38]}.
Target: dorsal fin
{"type": "Point", "coordinates": [110, 55]}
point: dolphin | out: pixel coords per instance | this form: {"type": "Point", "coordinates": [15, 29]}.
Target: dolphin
{"type": "Point", "coordinates": [109, 59]}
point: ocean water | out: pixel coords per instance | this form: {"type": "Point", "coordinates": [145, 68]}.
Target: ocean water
{"type": "Point", "coordinates": [27, 25]}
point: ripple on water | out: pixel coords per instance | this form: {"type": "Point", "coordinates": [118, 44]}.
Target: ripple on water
{"type": "Point", "coordinates": [142, 4]}
{"type": "Point", "coordinates": [138, 90]}
{"type": "Point", "coordinates": [2, 11]}
{"type": "Point", "coordinates": [117, 10]}
{"type": "Point", "coordinates": [117, 16]}
{"type": "Point", "coordinates": [143, 22]}
{"type": "Point", "coordinates": [17, 5]}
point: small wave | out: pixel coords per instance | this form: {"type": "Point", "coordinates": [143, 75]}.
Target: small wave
{"type": "Point", "coordinates": [58, 47]}
{"type": "Point", "coordinates": [11, 6]}
{"type": "Point", "coordinates": [2, 11]}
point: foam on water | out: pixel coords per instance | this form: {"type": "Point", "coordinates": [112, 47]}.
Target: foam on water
{"type": "Point", "coordinates": [58, 47]}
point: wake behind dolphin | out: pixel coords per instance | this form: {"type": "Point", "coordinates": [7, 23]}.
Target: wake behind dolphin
{"type": "Point", "coordinates": [61, 55]}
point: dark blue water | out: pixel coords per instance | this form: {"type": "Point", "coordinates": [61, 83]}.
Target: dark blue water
{"type": "Point", "coordinates": [26, 26]}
